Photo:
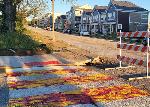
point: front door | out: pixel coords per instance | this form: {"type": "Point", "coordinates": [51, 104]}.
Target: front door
{"type": "Point", "coordinates": [88, 27]}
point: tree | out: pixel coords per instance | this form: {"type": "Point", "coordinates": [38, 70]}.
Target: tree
{"type": "Point", "coordinates": [9, 11]}
{"type": "Point", "coordinates": [12, 9]}
{"type": "Point", "coordinates": [16, 8]}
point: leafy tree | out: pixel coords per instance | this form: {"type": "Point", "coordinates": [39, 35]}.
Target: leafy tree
{"type": "Point", "coordinates": [16, 10]}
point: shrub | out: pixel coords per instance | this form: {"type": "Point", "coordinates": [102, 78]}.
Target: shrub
{"type": "Point", "coordinates": [17, 41]}
{"type": "Point", "coordinates": [20, 21]}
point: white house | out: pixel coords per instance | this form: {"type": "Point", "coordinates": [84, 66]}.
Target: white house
{"type": "Point", "coordinates": [74, 16]}
{"type": "Point", "coordinates": [86, 20]}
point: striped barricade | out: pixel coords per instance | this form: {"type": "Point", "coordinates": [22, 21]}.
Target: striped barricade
{"type": "Point", "coordinates": [131, 60]}
{"type": "Point", "coordinates": [133, 34]}
{"type": "Point", "coordinates": [132, 47]}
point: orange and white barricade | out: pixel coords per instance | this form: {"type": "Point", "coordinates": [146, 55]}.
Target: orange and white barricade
{"type": "Point", "coordinates": [134, 47]}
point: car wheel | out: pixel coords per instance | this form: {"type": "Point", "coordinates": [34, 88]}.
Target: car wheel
{"type": "Point", "coordinates": [144, 43]}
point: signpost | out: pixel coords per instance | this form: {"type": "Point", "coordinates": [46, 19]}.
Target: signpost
{"type": "Point", "coordinates": [120, 28]}
{"type": "Point", "coordinates": [54, 38]}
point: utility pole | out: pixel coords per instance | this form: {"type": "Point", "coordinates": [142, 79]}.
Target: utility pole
{"type": "Point", "coordinates": [54, 38]}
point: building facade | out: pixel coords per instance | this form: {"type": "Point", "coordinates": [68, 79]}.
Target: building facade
{"type": "Point", "coordinates": [86, 20]}
{"type": "Point", "coordinates": [47, 20]}
{"type": "Point", "coordinates": [101, 19]}
{"type": "Point", "coordinates": [105, 19]}
{"type": "Point", "coordinates": [61, 22]}
{"type": "Point", "coordinates": [74, 16]}
{"type": "Point", "coordinates": [130, 16]}
{"type": "Point", "coordinates": [98, 17]}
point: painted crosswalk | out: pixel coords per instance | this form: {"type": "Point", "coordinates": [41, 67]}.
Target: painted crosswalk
{"type": "Point", "coordinates": [65, 86]}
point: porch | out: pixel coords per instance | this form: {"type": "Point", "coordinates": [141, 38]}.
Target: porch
{"type": "Point", "coordinates": [109, 28]}
{"type": "Point", "coordinates": [95, 28]}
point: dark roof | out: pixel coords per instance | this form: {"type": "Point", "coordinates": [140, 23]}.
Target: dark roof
{"type": "Point", "coordinates": [63, 16]}
{"type": "Point", "coordinates": [126, 5]}
{"type": "Point", "coordinates": [77, 16]}
{"type": "Point", "coordinates": [100, 8]}
{"type": "Point", "coordinates": [87, 11]}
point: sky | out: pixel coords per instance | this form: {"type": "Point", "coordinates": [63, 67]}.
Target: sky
{"type": "Point", "coordinates": [63, 7]}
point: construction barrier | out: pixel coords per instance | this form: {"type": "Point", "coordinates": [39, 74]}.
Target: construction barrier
{"type": "Point", "coordinates": [131, 60]}
{"type": "Point", "coordinates": [134, 47]}
{"type": "Point", "coordinates": [133, 34]}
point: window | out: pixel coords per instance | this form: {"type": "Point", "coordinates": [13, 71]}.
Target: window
{"type": "Point", "coordinates": [92, 26]}
{"type": "Point", "coordinates": [84, 18]}
{"type": "Point", "coordinates": [114, 14]}
{"type": "Point", "coordinates": [109, 15]}
{"type": "Point", "coordinates": [96, 18]}
{"type": "Point", "coordinates": [144, 16]}
{"type": "Point", "coordinates": [103, 17]}
{"type": "Point", "coordinates": [96, 26]}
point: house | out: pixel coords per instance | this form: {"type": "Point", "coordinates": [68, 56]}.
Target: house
{"type": "Point", "coordinates": [98, 16]}
{"type": "Point", "coordinates": [77, 23]}
{"type": "Point", "coordinates": [57, 20]}
{"type": "Point", "coordinates": [46, 20]}
{"type": "Point", "coordinates": [74, 16]}
{"type": "Point", "coordinates": [56, 15]}
{"type": "Point", "coordinates": [61, 22]}
{"type": "Point", "coordinates": [130, 16]}
{"type": "Point", "coordinates": [86, 20]}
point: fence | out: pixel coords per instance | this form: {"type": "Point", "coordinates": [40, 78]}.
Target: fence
{"type": "Point", "coordinates": [134, 47]}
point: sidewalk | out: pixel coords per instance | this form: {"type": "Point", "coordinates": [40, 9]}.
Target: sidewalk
{"type": "Point", "coordinates": [19, 61]}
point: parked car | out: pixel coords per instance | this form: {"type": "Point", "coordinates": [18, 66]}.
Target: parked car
{"type": "Point", "coordinates": [84, 33]}
{"type": "Point", "coordinates": [47, 28]}
{"type": "Point", "coordinates": [67, 31]}
{"type": "Point", "coordinates": [145, 41]}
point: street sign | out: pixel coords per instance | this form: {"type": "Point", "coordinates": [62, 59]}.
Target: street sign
{"type": "Point", "coordinates": [119, 26]}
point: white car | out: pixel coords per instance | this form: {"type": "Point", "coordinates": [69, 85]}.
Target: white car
{"type": "Point", "coordinates": [82, 33]}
